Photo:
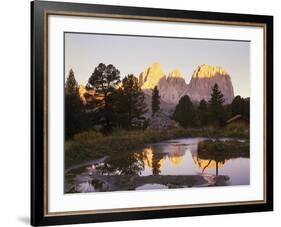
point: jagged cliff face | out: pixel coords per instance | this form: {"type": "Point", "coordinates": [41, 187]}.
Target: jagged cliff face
{"type": "Point", "coordinates": [151, 76]}
{"type": "Point", "coordinates": [173, 87]}
{"type": "Point", "coordinates": [204, 78]}
{"type": "Point", "coordinates": [170, 88]}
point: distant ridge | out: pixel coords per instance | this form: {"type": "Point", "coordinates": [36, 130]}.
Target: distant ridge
{"type": "Point", "coordinates": [173, 87]}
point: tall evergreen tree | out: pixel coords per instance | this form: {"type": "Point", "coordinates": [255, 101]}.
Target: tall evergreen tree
{"type": "Point", "coordinates": [185, 112]}
{"type": "Point", "coordinates": [217, 112]}
{"type": "Point", "coordinates": [71, 85]}
{"type": "Point", "coordinates": [202, 112]}
{"type": "Point", "coordinates": [73, 107]}
{"type": "Point", "coordinates": [247, 108]}
{"type": "Point", "coordinates": [240, 106]}
{"type": "Point", "coordinates": [134, 104]}
{"type": "Point", "coordinates": [104, 80]}
{"type": "Point", "coordinates": [155, 104]}
{"type": "Point", "coordinates": [120, 108]}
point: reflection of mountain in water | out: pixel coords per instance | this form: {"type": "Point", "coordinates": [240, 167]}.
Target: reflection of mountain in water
{"type": "Point", "coordinates": [207, 163]}
{"type": "Point", "coordinates": [174, 163]}
{"type": "Point", "coordinates": [157, 156]}
{"type": "Point", "coordinates": [174, 156]}
{"type": "Point", "coordinates": [175, 159]}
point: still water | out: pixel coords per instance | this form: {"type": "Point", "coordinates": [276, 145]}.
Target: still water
{"type": "Point", "coordinates": [168, 164]}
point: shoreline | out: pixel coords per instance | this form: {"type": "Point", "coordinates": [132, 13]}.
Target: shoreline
{"type": "Point", "coordinates": [93, 145]}
{"type": "Point", "coordinates": [109, 183]}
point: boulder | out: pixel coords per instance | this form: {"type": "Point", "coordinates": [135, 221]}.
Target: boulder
{"type": "Point", "coordinates": [161, 121]}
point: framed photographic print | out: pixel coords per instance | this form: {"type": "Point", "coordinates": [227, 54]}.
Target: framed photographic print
{"type": "Point", "coordinates": [142, 113]}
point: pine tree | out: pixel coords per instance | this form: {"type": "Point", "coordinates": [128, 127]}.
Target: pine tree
{"type": "Point", "coordinates": [71, 85]}
{"type": "Point", "coordinates": [120, 108]}
{"type": "Point", "coordinates": [240, 106]}
{"type": "Point", "coordinates": [104, 80]}
{"type": "Point", "coordinates": [155, 104]}
{"type": "Point", "coordinates": [130, 105]}
{"type": "Point", "coordinates": [185, 112]}
{"type": "Point", "coordinates": [134, 104]}
{"type": "Point", "coordinates": [74, 110]}
{"type": "Point", "coordinates": [202, 112]}
{"type": "Point", "coordinates": [247, 108]}
{"type": "Point", "coordinates": [217, 112]}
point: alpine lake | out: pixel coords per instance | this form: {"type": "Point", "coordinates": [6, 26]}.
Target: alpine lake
{"type": "Point", "coordinates": [168, 164]}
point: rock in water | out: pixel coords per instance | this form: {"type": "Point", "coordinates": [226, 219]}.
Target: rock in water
{"type": "Point", "coordinates": [161, 121]}
{"type": "Point", "coordinates": [85, 187]}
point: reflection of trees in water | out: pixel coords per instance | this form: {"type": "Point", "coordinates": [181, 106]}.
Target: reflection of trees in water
{"type": "Point", "coordinates": [207, 160]}
{"type": "Point", "coordinates": [156, 165]}
{"type": "Point", "coordinates": [155, 156]}
{"type": "Point", "coordinates": [204, 164]}
{"type": "Point", "coordinates": [214, 154]}
{"type": "Point", "coordinates": [127, 163]}
{"type": "Point", "coordinates": [174, 155]}
{"type": "Point", "coordinates": [130, 163]}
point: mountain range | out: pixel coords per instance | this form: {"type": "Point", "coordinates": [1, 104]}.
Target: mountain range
{"type": "Point", "coordinates": [173, 86]}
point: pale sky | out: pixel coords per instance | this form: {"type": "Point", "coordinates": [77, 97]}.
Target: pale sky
{"type": "Point", "coordinates": [133, 54]}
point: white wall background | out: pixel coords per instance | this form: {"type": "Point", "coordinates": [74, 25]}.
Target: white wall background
{"type": "Point", "coordinates": [15, 111]}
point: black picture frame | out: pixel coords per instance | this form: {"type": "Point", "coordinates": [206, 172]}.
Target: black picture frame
{"type": "Point", "coordinates": [39, 125]}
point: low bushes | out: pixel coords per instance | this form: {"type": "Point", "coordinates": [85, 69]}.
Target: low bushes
{"type": "Point", "coordinates": [216, 149]}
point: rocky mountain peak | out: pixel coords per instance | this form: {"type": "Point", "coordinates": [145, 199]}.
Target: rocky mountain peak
{"type": "Point", "coordinates": [174, 86]}
{"type": "Point", "coordinates": [208, 71]}
{"type": "Point", "coordinates": [151, 76]}
{"type": "Point", "coordinates": [175, 73]}
{"type": "Point", "coordinates": [203, 80]}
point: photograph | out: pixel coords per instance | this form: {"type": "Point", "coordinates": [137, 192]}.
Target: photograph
{"type": "Point", "coordinates": [155, 112]}
{"type": "Point", "coordinates": [142, 113]}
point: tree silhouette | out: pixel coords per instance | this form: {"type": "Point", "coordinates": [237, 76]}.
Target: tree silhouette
{"type": "Point", "coordinates": [74, 110]}
{"type": "Point", "coordinates": [132, 102]}
{"type": "Point", "coordinates": [241, 106]}
{"type": "Point", "coordinates": [202, 112]}
{"type": "Point", "coordinates": [185, 112]}
{"type": "Point", "coordinates": [104, 80]}
{"type": "Point", "coordinates": [155, 104]}
{"type": "Point", "coordinates": [217, 112]}
{"type": "Point", "coordinates": [120, 108]}
{"type": "Point", "coordinates": [71, 85]}
{"type": "Point", "coordinates": [125, 163]}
